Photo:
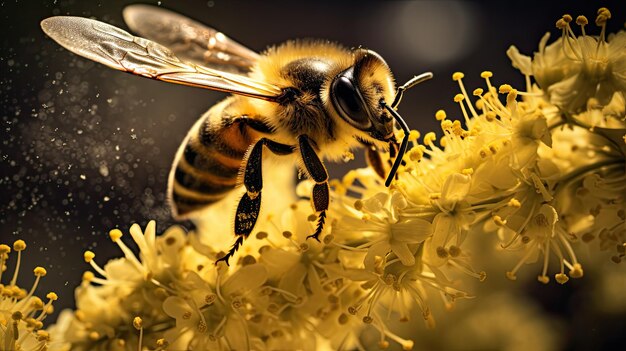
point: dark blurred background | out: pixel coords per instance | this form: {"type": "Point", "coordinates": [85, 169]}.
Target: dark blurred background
{"type": "Point", "coordinates": [86, 148]}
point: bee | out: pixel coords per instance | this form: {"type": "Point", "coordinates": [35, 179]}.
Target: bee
{"type": "Point", "coordinates": [311, 99]}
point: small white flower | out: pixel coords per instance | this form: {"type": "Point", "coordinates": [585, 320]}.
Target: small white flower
{"type": "Point", "coordinates": [574, 69]}
{"type": "Point", "coordinates": [384, 229]}
{"type": "Point", "coordinates": [215, 317]}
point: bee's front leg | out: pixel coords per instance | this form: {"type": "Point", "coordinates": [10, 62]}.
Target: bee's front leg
{"type": "Point", "coordinates": [316, 170]}
{"type": "Point", "coordinates": [374, 160]}
{"type": "Point", "coordinates": [250, 204]}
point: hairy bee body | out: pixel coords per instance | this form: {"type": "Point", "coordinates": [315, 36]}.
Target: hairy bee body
{"type": "Point", "coordinates": [211, 157]}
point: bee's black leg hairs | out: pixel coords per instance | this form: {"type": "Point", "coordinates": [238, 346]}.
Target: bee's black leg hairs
{"type": "Point", "coordinates": [317, 171]}
{"type": "Point", "coordinates": [250, 204]}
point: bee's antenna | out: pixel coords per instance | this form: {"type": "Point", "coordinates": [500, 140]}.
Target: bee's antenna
{"type": "Point", "coordinates": [396, 101]}
{"type": "Point", "coordinates": [405, 142]}
{"type": "Point", "coordinates": [410, 84]}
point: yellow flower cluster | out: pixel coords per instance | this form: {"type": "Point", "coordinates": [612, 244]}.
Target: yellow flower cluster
{"type": "Point", "coordinates": [21, 312]}
{"type": "Point", "coordinates": [541, 171]}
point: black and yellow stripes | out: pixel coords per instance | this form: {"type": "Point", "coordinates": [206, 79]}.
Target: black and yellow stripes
{"type": "Point", "coordinates": [208, 166]}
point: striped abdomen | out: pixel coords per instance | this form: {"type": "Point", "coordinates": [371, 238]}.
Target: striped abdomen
{"type": "Point", "coordinates": [208, 162]}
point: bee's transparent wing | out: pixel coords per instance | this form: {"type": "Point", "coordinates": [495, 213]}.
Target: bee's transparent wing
{"type": "Point", "coordinates": [120, 50]}
{"type": "Point", "coordinates": [188, 39]}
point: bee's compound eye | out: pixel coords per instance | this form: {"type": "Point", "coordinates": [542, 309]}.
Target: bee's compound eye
{"type": "Point", "coordinates": [349, 103]}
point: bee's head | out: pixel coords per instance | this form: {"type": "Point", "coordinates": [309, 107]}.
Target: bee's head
{"type": "Point", "coordinates": [357, 92]}
{"type": "Point", "coordinates": [364, 95]}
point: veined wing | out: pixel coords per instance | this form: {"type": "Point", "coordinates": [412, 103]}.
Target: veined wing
{"type": "Point", "coordinates": [190, 40]}
{"type": "Point", "coordinates": [120, 50]}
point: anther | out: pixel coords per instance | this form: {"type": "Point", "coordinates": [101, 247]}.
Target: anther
{"type": "Point", "coordinates": [137, 323]}
{"type": "Point", "coordinates": [358, 205]}
{"type": "Point", "coordinates": [582, 21]}
{"type": "Point", "coordinates": [601, 19]}
{"type": "Point", "coordinates": [416, 154]}
{"type": "Point", "coordinates": [343, 319]}
{"type": "Point", "coordinates": [88, 256]}
{"type": "Point", "coordinates": [504, 88]}
{"type": "Point", "coordinates": [454, 251]}
{"type": "Point", "coordinates": [605, 12]}
{"type": "Point", "coordinates": [493, 148]}
{"type": "Point", "coordinates": [40, 272]}
{"type": "Point", "coordinates": [52, 296]}
{"type": "Point", "coordinates": [483, 153]}
{"type": "Point", "coordinates": [88, 276]}
{"type": "Point", "coordinates": [36, 303]}
{"type": "Point", "coordinates": [19, 245]}
{"type": "Point", "coordinates": [480, 104]}
{"type": "Point", "coordinates": [514, 203]}
{"type": "Point", "coordinates": [587, 237]}
{"type": "Point", "coordinates": [17, 315]}
{"type": "Point", "coordinates": [446, 124]}
{"type": "Point", "coordinates": [458, 97]}
{"type": "Point", "coordinates": [414, 135]}
{"type": "Point", "coordinates": [576, 271]}
{"type": "Point", "coordinates": [43, 335]}
{"type": "Point", "coordinates": [457, 76]}
{"type": "Point", "coordinates": [115, 234]}
{"type": "Point", "coordinates": [486, 74]}
{"type": "Point", "coordinates": [490, 116]}
{"type": "Point", "coordinates": [440, 115]}
{"type": "Point", "coordinates": [561, 278]}
{"type": "Point", "coordinates": [248, 260]}
{"type": "Point", "coordinates": [429, 138]}
{"type": "Point", "coordinates": [210, 298]}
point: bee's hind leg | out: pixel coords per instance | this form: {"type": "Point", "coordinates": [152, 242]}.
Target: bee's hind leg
{"type": "Point", "coordinates": [316, 170]}
{"type": "Point", "coordinates": [250, 204]}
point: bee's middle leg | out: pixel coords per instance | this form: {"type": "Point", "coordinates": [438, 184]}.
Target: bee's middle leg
{"type": "Point", "coordinates": [317, 171]}
{"type": "Point", "coordinates": [250, 204]}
